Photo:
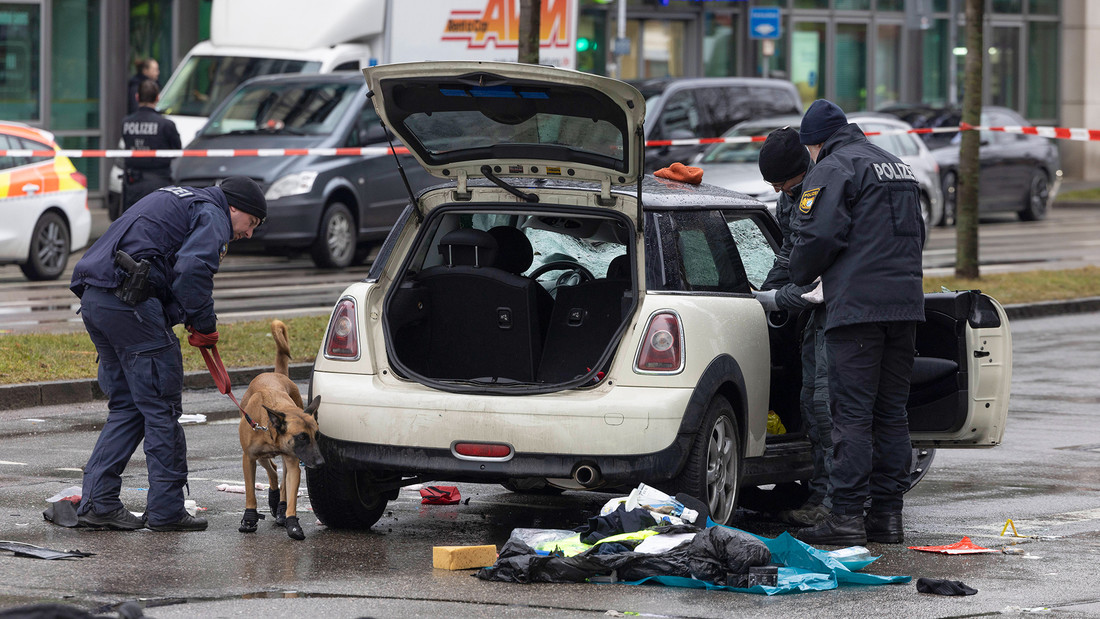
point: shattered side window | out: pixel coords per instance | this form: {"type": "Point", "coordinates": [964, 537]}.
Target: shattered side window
{"type": "Point", "coordinates": [756, 253]}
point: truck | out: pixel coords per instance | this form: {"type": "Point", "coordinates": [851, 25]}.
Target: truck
{"type": "Point", "coordinates": [249, 38]}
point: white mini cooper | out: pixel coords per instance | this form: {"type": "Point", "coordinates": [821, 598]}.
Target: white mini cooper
{"type": "Point", "coordinates": [551, 319]}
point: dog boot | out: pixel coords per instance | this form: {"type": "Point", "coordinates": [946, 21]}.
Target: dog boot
{"type": "Point", "coordinates": [273, 501]}
{"type": "Point", "coordinates": [294, 528]}
{"type": "Point", "coordinates": [280, 514]}
{"type": "Point", "coordinates": [250, 520]}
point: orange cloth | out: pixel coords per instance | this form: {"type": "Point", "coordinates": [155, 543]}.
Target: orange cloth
{"type": "Point", "coordinates": [682, 173]}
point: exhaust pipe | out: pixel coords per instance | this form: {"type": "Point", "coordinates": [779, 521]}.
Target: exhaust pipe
{"type": "Point", "coordinates": [587, 475]}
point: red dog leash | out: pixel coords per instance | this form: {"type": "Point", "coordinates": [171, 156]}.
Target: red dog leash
{"type": "Point", "coordinates": [209, 349]}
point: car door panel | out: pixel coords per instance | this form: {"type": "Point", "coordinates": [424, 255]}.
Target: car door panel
{"type": "Point", "coordinates": [962, 372]}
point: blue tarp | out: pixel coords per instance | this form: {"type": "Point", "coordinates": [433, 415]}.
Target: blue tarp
{"type": "Point", "coordinates": [802, 568]}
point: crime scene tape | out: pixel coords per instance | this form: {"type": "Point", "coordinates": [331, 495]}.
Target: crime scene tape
{"type": "Point", "coordinates": [1061, 133]}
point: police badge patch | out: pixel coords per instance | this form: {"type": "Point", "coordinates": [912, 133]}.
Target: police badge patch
{"type": "Point", "coordinates": [807, 201]}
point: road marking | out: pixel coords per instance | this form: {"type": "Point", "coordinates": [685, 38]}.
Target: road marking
{"type": "Point", "coordinates": [13, 463]}
{"type": "Point", "coordinates": [66, 468]}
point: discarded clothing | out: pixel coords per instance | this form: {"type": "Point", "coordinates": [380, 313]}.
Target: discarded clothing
{"type": "Point", "coordinates": [683, 173]}
{"type": "Point", "coordinates": [943, 587]}
{"type": "Point", "coordinates": [619, 521]}
{"type": "Point", "coordinates": [440, 495]}
{"type": "Point", "coordinates": [37, 552]}
{"type": "Point", "coordinates": [711, 555]}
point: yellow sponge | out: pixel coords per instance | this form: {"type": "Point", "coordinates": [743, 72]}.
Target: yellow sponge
{"type": "Point", "coordinates": [463, 557]}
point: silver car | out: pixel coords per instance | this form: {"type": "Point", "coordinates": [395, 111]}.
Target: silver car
{"type": "Point", "coordinates": [736, 165]}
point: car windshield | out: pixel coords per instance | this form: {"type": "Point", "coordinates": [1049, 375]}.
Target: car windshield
{"type": "Point", "coordinates": [738, 152]}
{"type": "Point", "coordinates": [294, 108]}
{"type": "Point", "coordinates": [205, 81]}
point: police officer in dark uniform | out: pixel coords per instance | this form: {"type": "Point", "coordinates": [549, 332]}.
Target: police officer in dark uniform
{"type": "Point", "coordinates": [860, 231]}
{"type": "Point", "coordinates": [154, 268]}
{"type": "Point", "coordinates": [783, 163]}
{"type": "Point", "coordinates": [147, 129]}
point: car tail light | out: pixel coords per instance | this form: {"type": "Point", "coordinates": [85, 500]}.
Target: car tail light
{"type": "Point", "coordinates": [662, 349]}
{"type": "Point", "coordinates": [342, 339]}
{"type": "Point", "coordinates": [482, 450]}
{"type": "Point", "coordinates": [80, 178]}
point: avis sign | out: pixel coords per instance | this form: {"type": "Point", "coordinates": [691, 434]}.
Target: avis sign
{"type": "Point", "coordinates": [480, 30]}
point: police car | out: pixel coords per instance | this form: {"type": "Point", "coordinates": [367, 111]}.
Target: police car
{"type": "Point", "coordinates": [43, 204]}
{"type": "Point", "coordinates": [551, 319]}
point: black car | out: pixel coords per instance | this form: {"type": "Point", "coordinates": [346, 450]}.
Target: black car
{"type": "Point", "coordinates": [706, 107]}
{"type": "Point", "coordinates": [1019, 173]}
{"type": "Point", "coordinates": [334, 206]}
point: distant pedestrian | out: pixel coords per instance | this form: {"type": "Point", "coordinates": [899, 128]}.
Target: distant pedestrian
{"type": "Point", "coordinates": [783, 164]}
{"type": "Point", "coordinates": [153, 269]}
{"type": "Point", "coordinates": [860, 230]}
{"type": "Point", "coordinates": [144, 69]}
{"type": "Point", "coordinates": [147, 129]}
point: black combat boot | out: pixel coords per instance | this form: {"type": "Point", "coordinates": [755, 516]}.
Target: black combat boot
{"type": "Point", "coordinates": [836, 530]}
{"type": "Point", "coordinates": [885, 527]}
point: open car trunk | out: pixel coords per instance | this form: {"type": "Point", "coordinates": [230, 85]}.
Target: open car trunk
{"type": "Point", "coordinates": [506, 299]}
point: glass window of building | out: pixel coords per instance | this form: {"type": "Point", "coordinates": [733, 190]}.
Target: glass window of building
{"type": "Point", "coordinates": [20, 64]}
{"type": "Point", "coordinates": [591, 37]}
{"type": "Point", "coordinates": [1042, 83]}
{"type": "Point", "coordinates": [1042, 7]}
{"type": "Point", "coordinates": [1007, 6]}
{"type": "Point", "coordinates": [663, 48]}
{"type": "Point", "coordinates": [151, 33]}
{"type": "Point", "coordinates": [1004, 58]}
{"type": "Point", "coordinates": [811, 4]}
{"type": "Point", "coordinates": [891, 5]}
{"type": "Point", "coordinates": [853, 5]}
{"type": "Point", "coordinates": [719, 44]}
{"type": "Point", "coordinates": [935, 58]}
{"type": "Point", "coordinates": [851, 66]}
{"type": "Point", "coordinates": [887, 62]}
{"type": "Point", "coordinates": [808, 53]}
{"type": "Point", "coordinates": [74, 70]}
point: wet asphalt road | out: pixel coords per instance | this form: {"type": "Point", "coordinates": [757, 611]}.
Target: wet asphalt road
{"type": "Point", "coordinates": [1045, 477]}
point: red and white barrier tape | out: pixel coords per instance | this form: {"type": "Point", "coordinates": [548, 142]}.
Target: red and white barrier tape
{"type": "Point", "coordinates": [1061, 133]}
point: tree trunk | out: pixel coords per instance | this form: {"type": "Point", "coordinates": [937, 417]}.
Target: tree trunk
{"type": "Point", "coordinates": [529, 13]}
{"type": "Point", "coordinates": [966, 240]}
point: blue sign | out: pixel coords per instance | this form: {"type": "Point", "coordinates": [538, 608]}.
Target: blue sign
{"type": "Point", "coordinates": [763, 23]}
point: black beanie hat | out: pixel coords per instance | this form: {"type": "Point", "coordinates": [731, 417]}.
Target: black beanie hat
{"type": "Point", "coordinates": [245, 195]}
{"type": "Point", "coordinates": [782, 157]}
{"type": "Point", "coordinates": [821, 121]}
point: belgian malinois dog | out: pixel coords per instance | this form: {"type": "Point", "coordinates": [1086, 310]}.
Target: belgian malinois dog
{"type": "Point", "coordinates": [274, 403]}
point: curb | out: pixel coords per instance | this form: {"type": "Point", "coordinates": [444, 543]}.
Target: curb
{"type": "Point", "coordinates": [29, 395]}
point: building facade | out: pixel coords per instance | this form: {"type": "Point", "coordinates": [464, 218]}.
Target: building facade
{"type": "Point", "coordinates": [66, 62]}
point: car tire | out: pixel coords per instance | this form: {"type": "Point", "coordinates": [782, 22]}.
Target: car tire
{"type": "Point", "coordinates": [713, 469]}
{"type": "Point", "coordinates": [49, 251]}
{"type": "Point", "coordinates": [334, 247]}
{"type": "Point", "coordinates": [342, 499]}
{"type": "Point", "coordinates": [1038, 198]}
{"type": "Point", "coordinates": [950, 187]}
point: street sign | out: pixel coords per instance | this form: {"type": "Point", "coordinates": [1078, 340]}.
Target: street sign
{"type": "Point", "coordinates": [763, 23]}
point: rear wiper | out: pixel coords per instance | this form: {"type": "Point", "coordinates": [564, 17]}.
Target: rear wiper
{"type": "Point", "coordinates": [487, 172]}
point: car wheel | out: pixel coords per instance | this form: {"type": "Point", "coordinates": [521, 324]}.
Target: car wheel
{"type": "Point", "coordinates": [922, 461]}
{"type": "Point", "coordinates": [335, 244]}
{"type": "Point", "coordinates": [343, 499]}
{"type": "Point", "coordinates": [950, 199]}
{"type": "Point", "coordinates": [49, 252]}
{"type": "Point", "coordinates": [1038, 197]}
{"type": "Point", "coordinates": [713, 470]}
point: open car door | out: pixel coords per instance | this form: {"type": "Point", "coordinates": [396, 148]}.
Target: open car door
{"type": "Point", "coordinates": [962, 372]}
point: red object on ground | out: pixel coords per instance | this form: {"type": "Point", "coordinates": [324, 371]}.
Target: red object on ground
{"type": "Point", "coordinates": [440, 495]}
{"type": "Point", "coordinates": [961, 547]}
{"type": "Point", "coordinates": [683, 173]}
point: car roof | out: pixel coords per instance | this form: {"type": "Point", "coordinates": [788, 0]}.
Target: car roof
{"type": "Point", "coordinates": [657, 85]}
{"type": "Point", "coordinates": [308, 78]}
{"type": "Point", "coordinates": [26, 131]}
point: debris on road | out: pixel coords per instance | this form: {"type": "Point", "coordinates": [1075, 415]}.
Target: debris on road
{"type": "Point", "coordinates": [463, 557]}
{"type": "Point", "coordinates": [944, 587]}
{"type": "Point", "coordinates": [961, 547]}
{"type": "Point", "coordinates": [38, 552]}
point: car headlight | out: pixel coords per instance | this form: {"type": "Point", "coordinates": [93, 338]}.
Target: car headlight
{"type": "Point", "coordinates": [291, 185]}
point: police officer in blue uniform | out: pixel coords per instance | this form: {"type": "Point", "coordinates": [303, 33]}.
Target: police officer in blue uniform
{"type": "Point", "coordinates": [783, 163]}
{"type": "Point", "coordinates": [147, 129]}
{"type": "Point", "coordinates": [860, 231]}
{"type": "Point", "coordinates": [154, 268]}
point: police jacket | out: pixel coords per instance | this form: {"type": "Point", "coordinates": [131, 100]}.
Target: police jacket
{"type": "Point", "coordinates": [147, 129]}
{"type": "Point", "coordinates": [183, 232]}
{"type": "Point", "coordinates": [788, 295]}
{"type": "Point", "coordinates": [859, 228]}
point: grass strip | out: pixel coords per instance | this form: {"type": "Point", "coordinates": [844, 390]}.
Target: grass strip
{"type": "Point", "coordinates": [40, 357]}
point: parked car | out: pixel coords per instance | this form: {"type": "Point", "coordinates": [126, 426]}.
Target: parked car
{"type": "Point", "coordinates": [1019, 173]}
{"type": "Point", "coordinates": [45, 204]}
{"type": "Point", "coordinates": [736, 165]}
{"type": "Point", "coordinates": [334, 206]}
{"type": "Point", "coordinates": [549, 318]}
{"type": "Point", "coordinates": [706, 107]}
